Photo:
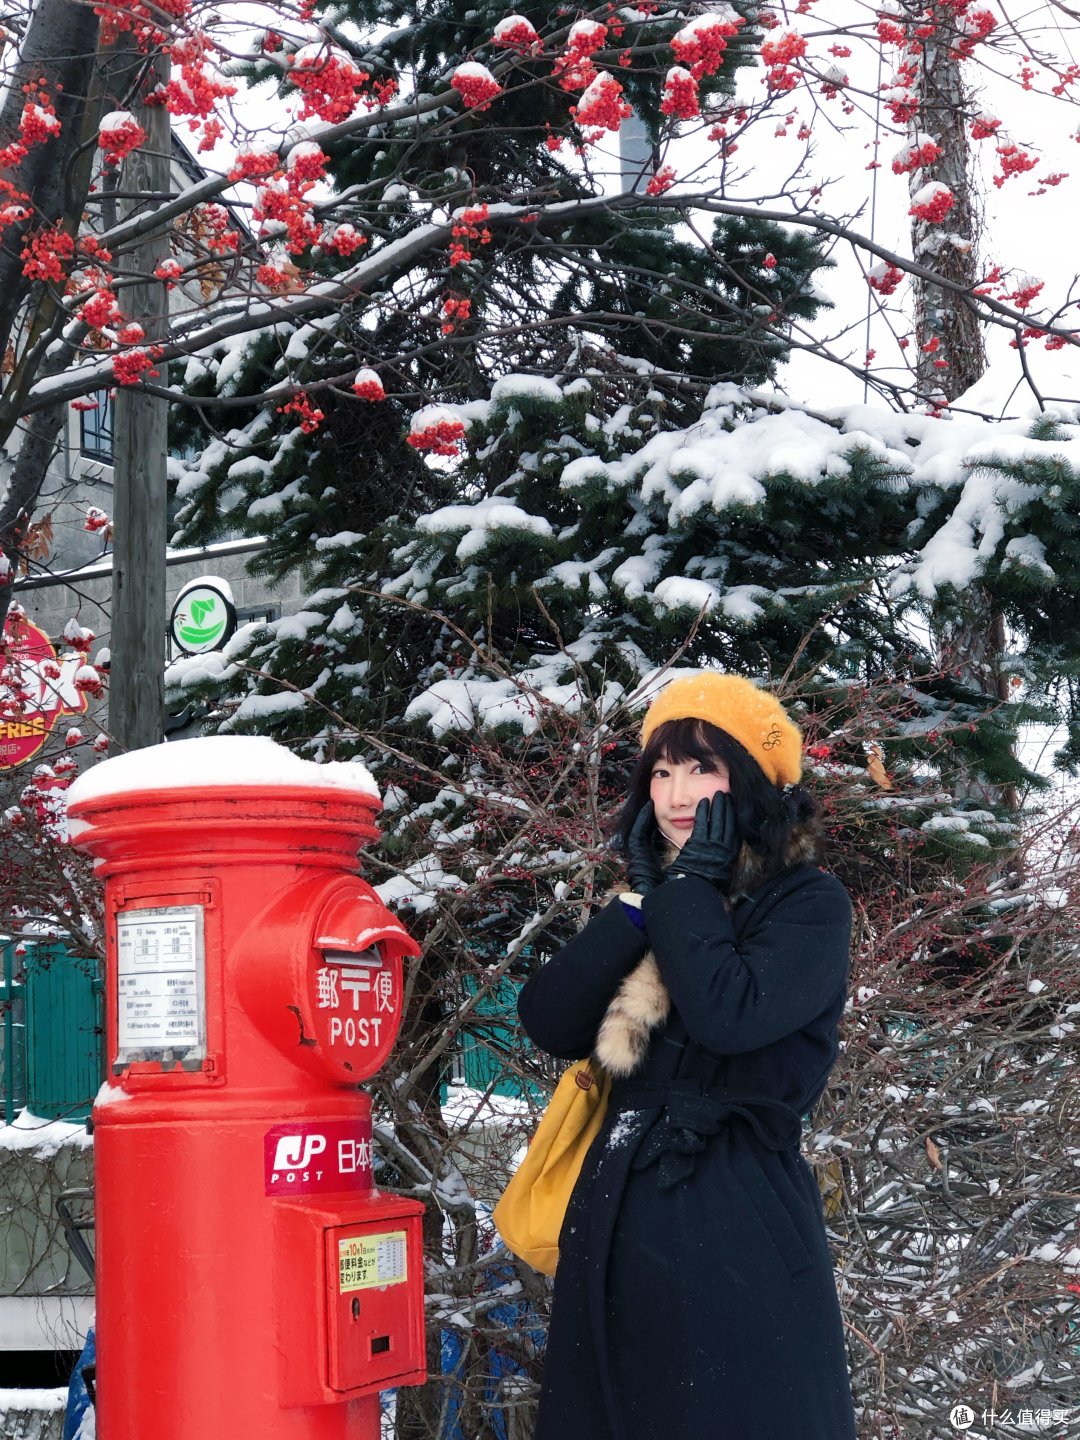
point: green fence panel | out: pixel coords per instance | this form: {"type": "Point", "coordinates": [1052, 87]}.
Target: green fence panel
{"type": "Point", "coordinates": [64, 1032]}
{"type": "Point", "coordinates": [488, 1051]}
{"type": "Point", "coordinates": [12, 1034]}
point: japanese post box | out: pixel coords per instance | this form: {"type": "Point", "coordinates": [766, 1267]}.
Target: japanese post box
{"type": "Point", "coordinates": [251, 1278]}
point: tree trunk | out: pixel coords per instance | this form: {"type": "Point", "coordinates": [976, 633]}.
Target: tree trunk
{"type": "Point", "coordinates": [951, 354]}
{"type": "Point", "coordinates": [951, 246]}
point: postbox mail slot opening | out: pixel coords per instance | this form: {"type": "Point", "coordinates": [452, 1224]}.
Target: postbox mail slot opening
{"type": "Point", "coordinates": [380, 1344]}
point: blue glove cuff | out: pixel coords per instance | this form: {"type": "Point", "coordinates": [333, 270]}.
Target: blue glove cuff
{"type": "Point", "coordinates": [631, 904]}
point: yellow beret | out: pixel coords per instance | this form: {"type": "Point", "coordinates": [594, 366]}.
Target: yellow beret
{"type": "Point", "coordinates": [749, 714]}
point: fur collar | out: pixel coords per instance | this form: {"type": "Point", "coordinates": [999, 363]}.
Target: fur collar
{"type": "Point", "coordinates": [642, 1004]}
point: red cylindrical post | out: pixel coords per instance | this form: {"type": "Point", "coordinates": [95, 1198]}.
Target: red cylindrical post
{"type": "Point", "coordinates": [250, 1278]}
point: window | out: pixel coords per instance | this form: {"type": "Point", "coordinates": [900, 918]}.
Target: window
{"type": "Point", "coordinates": [96, 430]}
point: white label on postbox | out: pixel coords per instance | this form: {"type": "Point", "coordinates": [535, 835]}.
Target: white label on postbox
{"type": "Point", "coordinates": [159, 979]}
{"type": "Point", "coordinates": [367, 1261]}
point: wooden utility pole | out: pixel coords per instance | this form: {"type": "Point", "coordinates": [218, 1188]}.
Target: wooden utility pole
{"type": "Point", "coordinates": [140, 445]}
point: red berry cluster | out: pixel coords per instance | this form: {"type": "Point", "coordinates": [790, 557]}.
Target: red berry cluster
{"type": "Point", "coordinates": [306, 162]}
{"type": "Point", "coordinates": [101, 311]}
{"type": "Point", "coordinates": [1027, 292]}
{"type": "Point", "coordinates": [39, 120]}
{"type": "Point", "coordinates": [455, 310]}
{"type": "Point", "coordinates": [46, 253]}
{"type": "Point", "coordinates": [309, 415]}
{"type": "Point", "coordinates": [978, 25]}
{"type": "Point", "coordinates": [441, 437]}
{"type": "Point", "coordinates": [1014, 161]}
{"type": "Point", "coordinates": [272, 278]}
{"type": "Point", "coordinates": [220, 237]}
{"type": "Point", "coordinates": [663, 180]}
{"type": "Point", "coordinates": [884, 278]}
{"type": "Point", "coordinates": [476, 85]}
{"type": "Point", "coordinates": [332, 86]}
{"type": "Point", "coordinates": [680, 98]}
{"type": "Point", "coordinates": [937, 202]}
{"type": "Point", "coordinates": [602, 106]}
{"type": "Point", "coordinates": [368, 385]}
{"type": "Point", "coordinates": [142, 21]}
{"type": "Point", "coordinates": [890, 33]}
{"type": "Point", "coordinates": [575, 69]}
{"type": "Point", "coordinates": [983, 126]}
{"type": "Point", "coordinates": [96, 520]}
{"type": "Point", "coordinates": [132, 365]}
{"type": "Point", "coordinates": [916, 157]}
{"type": "Point", "coordinates": [38, 124]}
{"type": "Point", "coordinates": [120, 133]}
{"type": "Point", "coordinates": [469, 226]}
{"type": "Point", "coordinates": [515, 32]}
{"type": "Point", "coordinates": [343, 240]}
{"type": "Point", "coordinates": [253, 164]}
{"type": "Point", "coordinates": [701, 44]}
{"type": "Point", "coordinates": [284, 200]}
{"type": "Point", "coordinates": [778, 55]}
{"type": "Point", "coordinates": [196, 90]}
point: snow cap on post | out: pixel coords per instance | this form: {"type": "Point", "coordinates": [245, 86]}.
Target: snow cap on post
{"type": "Point", "coordinates": [212, 761]}
{"type": "Point", "coordinates": [737, 706]}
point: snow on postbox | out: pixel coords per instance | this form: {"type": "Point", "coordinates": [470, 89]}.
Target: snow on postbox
{"type": "Point", "coordinates": [250, 1278]}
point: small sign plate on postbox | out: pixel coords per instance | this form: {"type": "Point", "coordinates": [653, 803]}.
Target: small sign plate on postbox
{"type": "Point", "coordinates": [160, 985]}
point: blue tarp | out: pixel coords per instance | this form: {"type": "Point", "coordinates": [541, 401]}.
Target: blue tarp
{"type": "Point", "coordinates": [78, 1401]}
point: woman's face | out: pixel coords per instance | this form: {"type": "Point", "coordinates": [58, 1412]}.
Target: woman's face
{"type": "Point", "coordinates": [675, 788]}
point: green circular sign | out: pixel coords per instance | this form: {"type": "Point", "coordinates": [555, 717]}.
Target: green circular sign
{"type": "Point", "coordinates": [203, 619]}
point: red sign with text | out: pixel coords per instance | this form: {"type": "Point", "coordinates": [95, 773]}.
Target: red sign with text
{"type": "Point", "coordinates": [318, 1158]}
{"type": "Point", "coordinates": [37, 687]}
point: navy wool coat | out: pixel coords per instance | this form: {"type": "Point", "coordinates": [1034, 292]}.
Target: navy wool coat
{"type": "Point", "coordinates": [695, 1297]}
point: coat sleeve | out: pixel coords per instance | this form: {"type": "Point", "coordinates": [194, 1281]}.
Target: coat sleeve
{"type": "Point", "coordinates": [788, 967]}
{"type": "Point", "coordinates": [562, 1006]}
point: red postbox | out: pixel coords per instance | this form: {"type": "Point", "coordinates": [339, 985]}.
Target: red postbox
{"type": "Point", "coordinates": [251, 1280]}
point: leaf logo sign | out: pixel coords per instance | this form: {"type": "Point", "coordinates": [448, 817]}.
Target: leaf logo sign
{"type": "Point", "coordinates": [203, 617]}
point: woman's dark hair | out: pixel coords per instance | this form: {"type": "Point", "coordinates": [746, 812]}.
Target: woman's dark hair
{"type": "Point", "coordinates": [767, 815]}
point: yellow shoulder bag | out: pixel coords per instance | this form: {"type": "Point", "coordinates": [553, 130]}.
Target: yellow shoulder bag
{"type": "Point", "coordinates": [531, 1211]}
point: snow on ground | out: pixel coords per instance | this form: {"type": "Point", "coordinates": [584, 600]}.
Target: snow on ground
{"type": "Point", "coordinates": [466, 1106]}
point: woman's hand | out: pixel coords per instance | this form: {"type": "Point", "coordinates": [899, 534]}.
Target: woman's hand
{"type": "Point", "coordinates": [714, 843]}
{"type": "Point", "coordinates": [642, 861]}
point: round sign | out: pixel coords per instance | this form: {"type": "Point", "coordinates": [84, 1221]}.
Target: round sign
{"type": "Point", "coordinates": [203, 618]}
{"type": "Point", "coordinates": [36, 688]}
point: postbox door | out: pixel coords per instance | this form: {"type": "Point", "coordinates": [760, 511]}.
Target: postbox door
{"type": "Point", "coordinates": [375, 1292]}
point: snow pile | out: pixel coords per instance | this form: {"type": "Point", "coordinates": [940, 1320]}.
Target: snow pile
{"type": "Point", "coordinates": [213, 761]}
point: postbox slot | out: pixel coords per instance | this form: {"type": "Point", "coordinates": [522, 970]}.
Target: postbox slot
{"type": "Point", "coordinates": [380, 1344]}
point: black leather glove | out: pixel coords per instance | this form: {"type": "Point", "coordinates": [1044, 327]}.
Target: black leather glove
{"type": "Point", "coordinates": [642, 861]}
{"type": "Point", "coordinates": [714, 843]}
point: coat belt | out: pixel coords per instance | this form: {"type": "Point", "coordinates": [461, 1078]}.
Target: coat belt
{"type": "Point", "coordinates": [691, 1118]}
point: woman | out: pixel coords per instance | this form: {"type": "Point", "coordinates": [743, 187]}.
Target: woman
{"type": "Point", "coordinates": [695, 1295]}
